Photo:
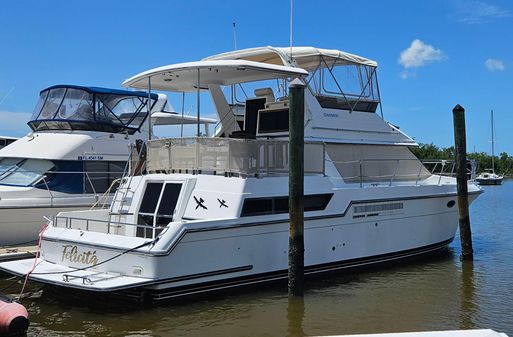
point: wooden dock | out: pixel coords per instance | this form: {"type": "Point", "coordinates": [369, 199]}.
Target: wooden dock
{"type": "Point", "coordinates": [17, 253]}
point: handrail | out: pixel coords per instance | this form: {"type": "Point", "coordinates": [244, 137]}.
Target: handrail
{"type": "Point", "coordinates": [68, 223]}
{"type": "Point", "coordinates": [426, 167]}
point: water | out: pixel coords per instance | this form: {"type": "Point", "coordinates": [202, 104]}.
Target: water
{"type": "Point", "coordinates": [437, 293]}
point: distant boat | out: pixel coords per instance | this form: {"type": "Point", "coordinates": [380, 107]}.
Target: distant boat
{"type": "Point", "coordinates": [490, 177]}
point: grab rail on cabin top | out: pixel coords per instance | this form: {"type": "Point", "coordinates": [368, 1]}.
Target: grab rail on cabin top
{"type": "Point", "coordinates": [392, 170]}
{"type": "Point", "coordinates": [110, 226]}
{"type": "Point", "coordinates": [229, 156]}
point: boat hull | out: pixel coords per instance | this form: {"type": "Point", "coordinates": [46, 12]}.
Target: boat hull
{"type": "Point", "coordinates": [489, 181]}
{"type": "Point", "coordinates": [21, 226]}
{"type": "Point", "coordinates": [208, 258]}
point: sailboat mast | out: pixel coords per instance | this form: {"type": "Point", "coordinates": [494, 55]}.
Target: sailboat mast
{"type": "Point", "coordinates": [493, 143]}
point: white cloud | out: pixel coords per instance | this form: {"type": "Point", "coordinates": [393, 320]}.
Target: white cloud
{"type": "Point", "coordinates": [418, 54]}
{"type": "Point", "coordinates": [493, 64]}
{"type": "Point", "coordinates": [476, 12]}
{"type": "Point", "coordinates": [14, 123]}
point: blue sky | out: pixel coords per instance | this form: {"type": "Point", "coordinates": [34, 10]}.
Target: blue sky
{"type": "Point", "coordinates": [432, 54]}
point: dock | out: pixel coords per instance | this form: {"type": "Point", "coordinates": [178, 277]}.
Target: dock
{"type": "Point", "coordinates": [17, 253]}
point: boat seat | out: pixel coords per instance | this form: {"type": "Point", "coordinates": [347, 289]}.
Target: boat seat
{"type": "Point", "coordinates": [265, 92]}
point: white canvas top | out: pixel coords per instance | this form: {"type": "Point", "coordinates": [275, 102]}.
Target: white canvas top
{"type": "Point", "coordinates": [167, 118]}
{"type": "Point", "coordinates": [305, 57]}
{"type": "Point", "coordinates": [184, 76]}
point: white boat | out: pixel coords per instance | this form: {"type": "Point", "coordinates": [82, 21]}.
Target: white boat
{"type": "Point", "coordinates": [212, 213]}
{"type": "Point", "coordinates": [6, 140]}
{"type": "Point", "coordinates": [489, 177]}
{"type": "Point", "coordinates": [78, 147]}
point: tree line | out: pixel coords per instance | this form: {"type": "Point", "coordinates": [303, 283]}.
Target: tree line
{"type": "Point", "coordinates": [503, 162]}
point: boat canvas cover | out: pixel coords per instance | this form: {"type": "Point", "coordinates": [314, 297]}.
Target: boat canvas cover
{"type": "Point", "coordinates": [89, 279]}
{"type": "Point", "coordinates": [304, 57]}
{"type": "Point", "coordinates": [183, 77]}
{"type": "Point", "coordinates": [168, 118]}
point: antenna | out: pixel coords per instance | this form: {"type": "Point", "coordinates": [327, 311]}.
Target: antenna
{"type": "Point", "coordinates": [234, 36]}
{"type": "Point", "coordinates": [6, 95]}
{"type": "Point", "coordinates": [291, 7]}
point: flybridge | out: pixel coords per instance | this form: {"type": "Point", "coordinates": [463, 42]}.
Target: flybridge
{"type": "Point", "coordinates": [249, 90]}
{"type": "Point", "coordinates": [70, 107]}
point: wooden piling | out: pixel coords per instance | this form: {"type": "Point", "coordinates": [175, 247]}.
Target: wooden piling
{"type": "Point", "coordinates": [296, 187]}
{"type": "Point", "coordinates": [460, 145]}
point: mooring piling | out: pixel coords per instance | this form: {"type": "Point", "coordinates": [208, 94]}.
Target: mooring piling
{"type": "Point", "coordinates": [460, 145]}
{"type": "Point", "coordinates": [296, 187]}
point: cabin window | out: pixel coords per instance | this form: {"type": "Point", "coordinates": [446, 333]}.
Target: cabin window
{"type": "Point", "coordinates": [101, 174]}
{"type": "Point", "coordinates": [279, 205]}
{"type": "Point", "coordinates": [23, 172]}
{"type": "Point", "coordinates": [157, 207]}
{"type": "Point", "coordinates": [2, 142]}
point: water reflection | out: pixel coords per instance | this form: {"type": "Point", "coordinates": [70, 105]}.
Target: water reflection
{"type": "Point", "coordinates": [295, 316]}
{"type": "Point", "coordinates": [468, 304]}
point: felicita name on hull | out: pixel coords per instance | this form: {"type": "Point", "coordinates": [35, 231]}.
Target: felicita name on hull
{"type": "Point", "coordinates": [71, 254]}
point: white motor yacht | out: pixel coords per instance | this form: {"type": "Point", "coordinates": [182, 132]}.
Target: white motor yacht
{"type": "Point", "coordinates": [79, 145]}
{"type": "Point", "coordinates": [212, 212]}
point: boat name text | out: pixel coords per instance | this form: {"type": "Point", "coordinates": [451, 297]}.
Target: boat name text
{"type": "Point", "coordinates": [330, 114]}
{"type": "Point", "coordinates": [71, 254]}
{"type": "Point", "coordinates": [90, 157]}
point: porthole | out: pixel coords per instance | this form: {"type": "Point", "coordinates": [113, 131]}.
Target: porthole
{"type": "Point", "coordinates": [451, 203]}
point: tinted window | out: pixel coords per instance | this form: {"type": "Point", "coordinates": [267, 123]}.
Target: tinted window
{"type": "Point", "coordinates": [278, 205]}
{"type": "Point", "coordinates": [150, 198]}
{"type": "Point", "coordinates": [273, 121]}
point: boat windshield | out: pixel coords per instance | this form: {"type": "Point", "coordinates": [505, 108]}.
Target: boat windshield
{"type": "Point", "coordinates": [22, 172]}
{"type": "Point", "coordinates": [92, 109]}
{"type": "Point", "coordinates": [344, 86]}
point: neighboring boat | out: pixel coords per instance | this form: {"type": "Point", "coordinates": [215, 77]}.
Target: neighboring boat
{"type": "Point", "coordinates": [78, 147]}
{"type": "Point", "coordinates": [489, 177]}
{"type": "Point", "coordinates": [212, 212]}
{"type": "Point", "coordinates": [5, 140]}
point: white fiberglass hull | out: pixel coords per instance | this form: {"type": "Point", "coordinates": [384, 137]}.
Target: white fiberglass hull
{"type": "Point", "coordinates": [213, 255]}
{"type": "Point", "coordinates": [21, 226]}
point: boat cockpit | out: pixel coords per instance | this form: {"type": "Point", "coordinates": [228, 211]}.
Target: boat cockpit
{"type": "Point", "coordinates": [69, 107]}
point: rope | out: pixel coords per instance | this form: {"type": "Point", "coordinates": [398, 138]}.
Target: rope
{"type": "Point", "coordinates": [45, 226]}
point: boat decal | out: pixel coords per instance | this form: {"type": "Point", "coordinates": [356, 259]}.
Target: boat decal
{"type": "Point", "coordinates": [199, 203]}
{"type": "Point", "coordinates": [70, 253]}
{"type": "Point", "coordinates": [222, 203]}
{"type": "Point", "coordinates": [95, 157]}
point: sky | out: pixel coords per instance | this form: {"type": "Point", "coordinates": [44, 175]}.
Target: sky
{"type": "Point", "coordinates": [431, 54]}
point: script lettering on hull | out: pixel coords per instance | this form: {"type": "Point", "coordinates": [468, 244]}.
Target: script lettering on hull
{"type": "Point", "coordinates": [70, 253]}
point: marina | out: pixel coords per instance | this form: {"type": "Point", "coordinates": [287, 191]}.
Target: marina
{"type": "Point", "coordinates": [367, 199]}
{"type": "Point", "coordinates": [236, 169]}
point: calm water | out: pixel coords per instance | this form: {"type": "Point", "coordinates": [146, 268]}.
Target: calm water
{"type": "Point", "coordinates": [433, 294]}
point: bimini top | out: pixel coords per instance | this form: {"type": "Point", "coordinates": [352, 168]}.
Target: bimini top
{"type": "Point", "coordinates": [184, 76]}
{"type": "Point", "coordinates": [72, 107]}
{"type": "Point", "coordinates": [304, 57]}
{"type": "Point", "coordinates": [100, 90]}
